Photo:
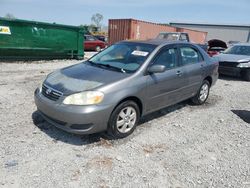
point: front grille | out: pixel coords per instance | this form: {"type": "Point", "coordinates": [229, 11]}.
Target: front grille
{"type": "Point", "coordinates": [228, 64]}
{"type": "Point", "coordinates": [51, 93]}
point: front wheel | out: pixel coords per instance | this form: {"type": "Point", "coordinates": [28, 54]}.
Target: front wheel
{"type": "Point", "coordinates": [202, 94]}
{"type": "Point", "coordinates": [123, 119]}
{"type": "Point", "coordinates": [97, 48]}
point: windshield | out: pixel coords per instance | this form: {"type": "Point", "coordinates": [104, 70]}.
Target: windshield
{"type": "Point", "coordinates": [238, 50]}
{"type": "Point", "coordinates": [123, 57]}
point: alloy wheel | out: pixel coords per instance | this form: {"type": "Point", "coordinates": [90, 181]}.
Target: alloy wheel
{"type": "Point", "coordinates": [126, 119]}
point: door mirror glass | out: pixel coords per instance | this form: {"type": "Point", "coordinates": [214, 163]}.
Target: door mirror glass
{"type": "Point", "coordinates": [156, 69]}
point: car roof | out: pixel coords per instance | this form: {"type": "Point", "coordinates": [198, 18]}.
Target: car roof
{"type": "Point", "coordinates": [156, 42]}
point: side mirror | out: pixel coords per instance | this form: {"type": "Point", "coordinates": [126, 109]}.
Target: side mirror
{"type": "Point", "coordinates": [156, 69]}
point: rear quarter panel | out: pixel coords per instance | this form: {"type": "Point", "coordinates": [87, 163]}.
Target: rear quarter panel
{"type": "Point", "coordinates": [211, 66]}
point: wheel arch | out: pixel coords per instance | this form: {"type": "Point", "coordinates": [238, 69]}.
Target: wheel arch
{"type": "Point", "coordinates": [209, 79]}
{"type": "Point", "coordinates": [134, 99]}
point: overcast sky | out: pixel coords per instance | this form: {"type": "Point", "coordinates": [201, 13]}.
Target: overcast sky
{"type": "Point", "coordinates": [76, 12]}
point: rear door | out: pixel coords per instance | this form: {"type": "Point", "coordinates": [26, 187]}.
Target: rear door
{"type": "Point", "coordinates": [164, 89]}
{"type": "Point", "coordinates": [193, 63]}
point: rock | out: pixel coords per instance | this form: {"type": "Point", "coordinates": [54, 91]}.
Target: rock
{"type": "Point", "coordinates": [78, 155]}
{"type": "Point", "coordinates": [130, 175]}
{"type": "Point", "coordinates": [11, 163]}
{"type": "Point", "coordinates": [221, 120]}
{"type": "Point", "coordinates": [214, 158]}
{"type": "Point", "coordinates": [199, 181]}
{"type": "Point", "coordinates": [119, 158]}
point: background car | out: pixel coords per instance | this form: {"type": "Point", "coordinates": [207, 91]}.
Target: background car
{"type": "Point", "coordinates": [235, 61]}
{"type": "Point", "coordinates": [101, 38]}
{"type": "Point", "coordinates": [232, 42]}
{"type": "Point", "coordinates": [92, 43]}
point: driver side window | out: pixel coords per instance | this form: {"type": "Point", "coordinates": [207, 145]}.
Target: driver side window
{"type": "Point", "coordinates": [167, 57]}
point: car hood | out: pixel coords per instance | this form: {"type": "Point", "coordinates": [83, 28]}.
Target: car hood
{"type": "Point", "coordinates": [232, 58]}
{"type": "Point", "coordinates": [81, 77]}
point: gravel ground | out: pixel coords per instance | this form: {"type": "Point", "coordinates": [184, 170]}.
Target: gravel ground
{"type": "Point", "coordinates": [180, 146]}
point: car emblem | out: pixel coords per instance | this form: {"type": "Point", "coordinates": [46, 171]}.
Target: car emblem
{"type": "Point", "coordinates": [48, 91]}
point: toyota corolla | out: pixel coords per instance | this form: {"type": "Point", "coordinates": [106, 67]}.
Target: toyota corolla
{"type": "Point", "coordinates": [112, 90]}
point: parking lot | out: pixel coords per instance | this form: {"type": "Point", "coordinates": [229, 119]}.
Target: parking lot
{"type": "Point", "coordinates": [180, 146]}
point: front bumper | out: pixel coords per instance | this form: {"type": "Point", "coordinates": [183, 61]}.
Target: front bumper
{"type": "Point", "coordinates": [232, 71]}
{"type": "Point", "coordinates": [73, 119]}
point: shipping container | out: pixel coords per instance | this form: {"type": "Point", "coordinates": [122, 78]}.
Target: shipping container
{"type": "Point", "coordinates": [22, 39]}
{"type": "Point", "coordinates": [198, 37]}
{"type": "Point", "coordinates": [131, 29]}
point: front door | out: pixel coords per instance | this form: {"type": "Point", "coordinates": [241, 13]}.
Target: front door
{"type": "Point", "coordinates": [164, 89]}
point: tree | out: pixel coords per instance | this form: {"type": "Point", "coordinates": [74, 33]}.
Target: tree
{"type": "Point", "coordinates": [9, 16]}
{"type": "Point", "coordinates": [97, 19]}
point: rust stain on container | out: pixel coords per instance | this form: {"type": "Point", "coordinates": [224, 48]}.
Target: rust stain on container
{"type": "Point", "coordinates": [119, 29]}
{"type": "Point", "coordinates": [131, 29]}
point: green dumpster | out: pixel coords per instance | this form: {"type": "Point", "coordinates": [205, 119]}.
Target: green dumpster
{"type": "Point", "coordinates": [22, 39]}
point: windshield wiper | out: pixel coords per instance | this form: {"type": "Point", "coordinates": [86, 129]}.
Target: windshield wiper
{"type": "Point", "coordinates": [91, 62]}
{"type": "Point", "coordinates": [94, 64]}
{"type": "Point", "coordinates": [113, 67]}
{"type": "Point", "coordinates": [106, 66]}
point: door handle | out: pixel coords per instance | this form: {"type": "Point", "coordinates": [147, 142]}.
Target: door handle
{"type": "Point", "coordinates": [179, 73]}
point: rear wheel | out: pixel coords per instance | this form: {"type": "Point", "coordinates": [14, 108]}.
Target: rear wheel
{"type": "Point", "coordinates": [202, 94]}
{"type": "Point", "coordinates": [246, 75]}
{"type": "Point", "coordinates": [123, 119]}
{"type": "Point", "coordinates": [97, 48]}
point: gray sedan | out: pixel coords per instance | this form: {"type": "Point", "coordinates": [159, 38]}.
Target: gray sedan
{"type": "Point", "coordinates": [235, 61]}
{"type": "Point", "coordinates": [115, 88]}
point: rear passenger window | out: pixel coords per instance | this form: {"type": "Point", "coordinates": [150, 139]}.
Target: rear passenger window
{"type": "Point", "coordinates": [190, 56]}
{"type": "Point", "coordinates": [166, 57]}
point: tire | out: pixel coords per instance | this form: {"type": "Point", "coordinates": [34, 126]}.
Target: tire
{"type": "Point", "coordinates": [203, 93]}
{"type": "Point", "coordinates": [127, 114]}
{"type": "Point", "coordinates": [246, 75]}
{"type": "Point", "coordinates": [97, 48]}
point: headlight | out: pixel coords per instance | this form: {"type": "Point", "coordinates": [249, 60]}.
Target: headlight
{"type": "Point", "coordinates": [244, 65]}
{"type": "Point", "coordinates": [84, 98]}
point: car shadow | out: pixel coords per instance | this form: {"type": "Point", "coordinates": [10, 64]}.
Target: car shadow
{"type": "Point", "coordinates": [162, 112]}
{"type": "Point", "coordinates": [243, 114]}
{"type": "Point", "coordinates": [79, 140]}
